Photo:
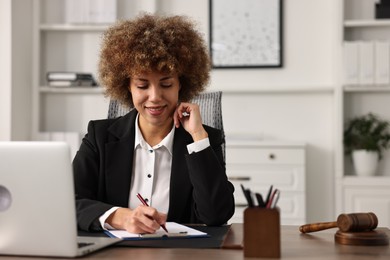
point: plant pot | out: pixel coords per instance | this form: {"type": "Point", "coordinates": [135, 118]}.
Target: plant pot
{"type": "Point", "coordinates": [365, 162]}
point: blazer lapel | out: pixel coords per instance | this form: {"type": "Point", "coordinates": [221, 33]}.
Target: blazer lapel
{"type": "Point", "coordinates": [119, 159]}
{"type": "Point", "coordinates": [179, 188]}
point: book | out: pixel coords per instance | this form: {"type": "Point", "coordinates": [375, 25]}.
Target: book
{"type": "Point", "coordinates": [90, 11]}
{"type": "Point", "coordinates": [175, 231]}
{"type": "Point", "coordinates": [351, 63]}
{"type": "Point", "coordinates": [102, 11]}
{"type": "Point", "coordinates": [68, 76]}
{"type": "Point", "coordinates": [382, 62]}
{"type": "Point", "coordinates": [72, 83]}
{"type": "Point", "coordinates": [70, 79]}
{"type": "Point", "coordinates": [366, 63]}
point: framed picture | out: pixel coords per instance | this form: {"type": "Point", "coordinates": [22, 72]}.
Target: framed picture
{"type": "Point", "coordinates": [246, 33]}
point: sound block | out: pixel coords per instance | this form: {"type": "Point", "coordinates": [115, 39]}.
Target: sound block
{"type": "Point", "coordinates": [364, 238]}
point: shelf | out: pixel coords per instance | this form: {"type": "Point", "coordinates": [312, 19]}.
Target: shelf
{"type": "Point", "coordinates": [74, 27]}
{"type": "Point", "coordinates": [71, 90]}
{"type": "Point", "coordinates": [366, 23]}
{"type": "Point", "coordinates": [367, 88]}
{"type": "Point", "coordinates": [279, 90]}
{"type": "Point", "coordinates": [366, 181]}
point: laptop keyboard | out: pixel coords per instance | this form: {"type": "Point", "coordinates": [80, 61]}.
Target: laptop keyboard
{"type": "Point", "coordinates": [83, 244]}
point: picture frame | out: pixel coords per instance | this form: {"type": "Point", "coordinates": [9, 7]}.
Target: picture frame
{"type": "Point", "coordinates": [246, 34]}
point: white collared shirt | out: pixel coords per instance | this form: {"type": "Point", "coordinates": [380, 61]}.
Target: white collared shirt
{"type": "Point", "coordinates": [152, 171]}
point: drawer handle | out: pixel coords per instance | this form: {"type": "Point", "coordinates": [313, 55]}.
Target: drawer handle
{"type": "Point", "coordinates": [272, 156]}
{"type": "Point", "coordinates": [241, 205]}
{"type": "Point", "coordinates": [233, 178]}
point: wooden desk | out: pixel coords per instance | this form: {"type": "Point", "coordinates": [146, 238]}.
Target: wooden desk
{"type": "Point", "coordinates": [319, 245]}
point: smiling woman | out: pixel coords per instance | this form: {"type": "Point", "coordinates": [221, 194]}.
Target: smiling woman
{"type": "Point", "coordinates": [160, 149]}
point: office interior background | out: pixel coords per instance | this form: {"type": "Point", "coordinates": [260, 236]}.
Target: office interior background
{"type": "Point", "coordinates": [302, 104]}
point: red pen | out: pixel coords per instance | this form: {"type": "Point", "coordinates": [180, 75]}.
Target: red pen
{"type": "Point", "coordinates": [146, 204]}
{"type": "Point", "coordinates": [271, 199]}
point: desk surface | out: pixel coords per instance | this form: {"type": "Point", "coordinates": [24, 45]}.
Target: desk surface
{"type": "Point", "coordinates": [319, 245]}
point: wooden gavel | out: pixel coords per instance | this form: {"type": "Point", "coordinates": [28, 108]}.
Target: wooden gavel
{"type": "Point", "coordinates": [353, 222]}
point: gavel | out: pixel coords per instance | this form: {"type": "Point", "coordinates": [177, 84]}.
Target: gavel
{"type": "Point", "coordinates": [353, 222]}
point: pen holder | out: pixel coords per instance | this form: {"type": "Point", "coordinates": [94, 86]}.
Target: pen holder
{"type": "Point", "coordinates": [261, 232]}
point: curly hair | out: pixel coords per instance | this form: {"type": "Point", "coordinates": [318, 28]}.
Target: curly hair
{"type": "Point", "coordinates": [153, 43]}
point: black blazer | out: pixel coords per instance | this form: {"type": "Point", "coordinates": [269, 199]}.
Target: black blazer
{"type": "Point", "coordinates": [199, 189]}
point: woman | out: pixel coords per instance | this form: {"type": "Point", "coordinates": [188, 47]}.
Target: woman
{"type": "Point", "coordinates": [160, 149]}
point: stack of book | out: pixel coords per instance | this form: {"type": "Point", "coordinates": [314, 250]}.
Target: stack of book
{"type": "Point", "coordinates": [70, 79]}
{"type": "Point", "coordinates": [367, 63]}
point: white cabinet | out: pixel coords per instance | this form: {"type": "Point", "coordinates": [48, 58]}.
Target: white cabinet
{"type": "Point", "coordinates": [360, 194]}
{"type": "Point", "coordinates": [258, 165]}
{"type": "Point", "coordinates": [368, 195]}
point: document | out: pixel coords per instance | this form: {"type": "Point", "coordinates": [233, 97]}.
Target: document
{"type": "Point", "coordinates": [175, 231]}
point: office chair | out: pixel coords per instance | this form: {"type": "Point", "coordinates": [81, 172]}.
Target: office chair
{"type": "Point", "coordinates": [210, 105]}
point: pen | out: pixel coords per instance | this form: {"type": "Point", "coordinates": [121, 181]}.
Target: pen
{"type": "Point", "coordinates": [247, 194]}
{"type": "Point", "coordinates": [268, 195]}
{"type": "Point", "coordinates": [146, 204]}
{"type": "Point", "coordinates": [271, 199]}
{"type": "Point", "coordinates": [260, 200]}
{"type": "Point", "coordinates": [275, 199]}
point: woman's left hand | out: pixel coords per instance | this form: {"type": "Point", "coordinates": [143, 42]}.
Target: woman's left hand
{"type": "Point", "coordinates": [188, 115]}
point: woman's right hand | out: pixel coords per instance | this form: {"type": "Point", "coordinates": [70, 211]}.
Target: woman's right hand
{"type": "Point", "coordinates": [142, 219]}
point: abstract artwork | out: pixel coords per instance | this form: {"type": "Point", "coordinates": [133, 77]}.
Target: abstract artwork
{"type": "Point", "coordinates": [246, 33]}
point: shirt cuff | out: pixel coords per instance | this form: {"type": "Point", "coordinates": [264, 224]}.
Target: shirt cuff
{"type": "Point", "coordinates": [103, 218]}
{"type": "Point", "coordinates": [198, 145]}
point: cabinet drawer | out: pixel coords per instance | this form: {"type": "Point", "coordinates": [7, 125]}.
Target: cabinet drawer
{"type": "Point", "coordinates": [260, 178]}
{"type": "Point", "coordinates": [256, 155]}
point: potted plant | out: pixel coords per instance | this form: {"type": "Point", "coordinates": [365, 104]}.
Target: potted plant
{"type": "Point", "coordinates": [365, 139]}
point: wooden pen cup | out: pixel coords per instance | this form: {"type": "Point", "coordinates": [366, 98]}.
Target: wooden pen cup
{"type": "Point", "coordinates": [261, 232]}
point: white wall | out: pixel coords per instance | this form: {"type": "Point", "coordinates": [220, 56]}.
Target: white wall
{"type": "Point", "coordinates": [15, 69]}
{"type": "Point", "coordinates": [5, 70]}
{"type": "Point", "coordinates": [21, 69]}
{"type": "Point", "coordinates": [254, 105]}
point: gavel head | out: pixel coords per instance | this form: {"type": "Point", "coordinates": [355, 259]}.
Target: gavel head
{"type": "Point", "coordinates": [357, 222]}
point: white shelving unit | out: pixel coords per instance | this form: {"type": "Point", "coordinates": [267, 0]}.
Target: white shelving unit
{"type": "Point", "coordinates": [62, 46]}
{"type": "Point", "coordinates": [353, 193]}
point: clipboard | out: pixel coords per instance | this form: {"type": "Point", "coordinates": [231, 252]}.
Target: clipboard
{"type": "Point", "coordinates": [214, 239]}
{"type": "Point", "coordinates": [175, 231]}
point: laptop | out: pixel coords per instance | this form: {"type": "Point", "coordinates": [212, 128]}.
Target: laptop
{"type": "Point", "coordinates": [37, 202]}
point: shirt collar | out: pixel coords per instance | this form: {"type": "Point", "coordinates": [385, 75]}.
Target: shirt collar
{"type": "Point", "coordinates": [167, 142]}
